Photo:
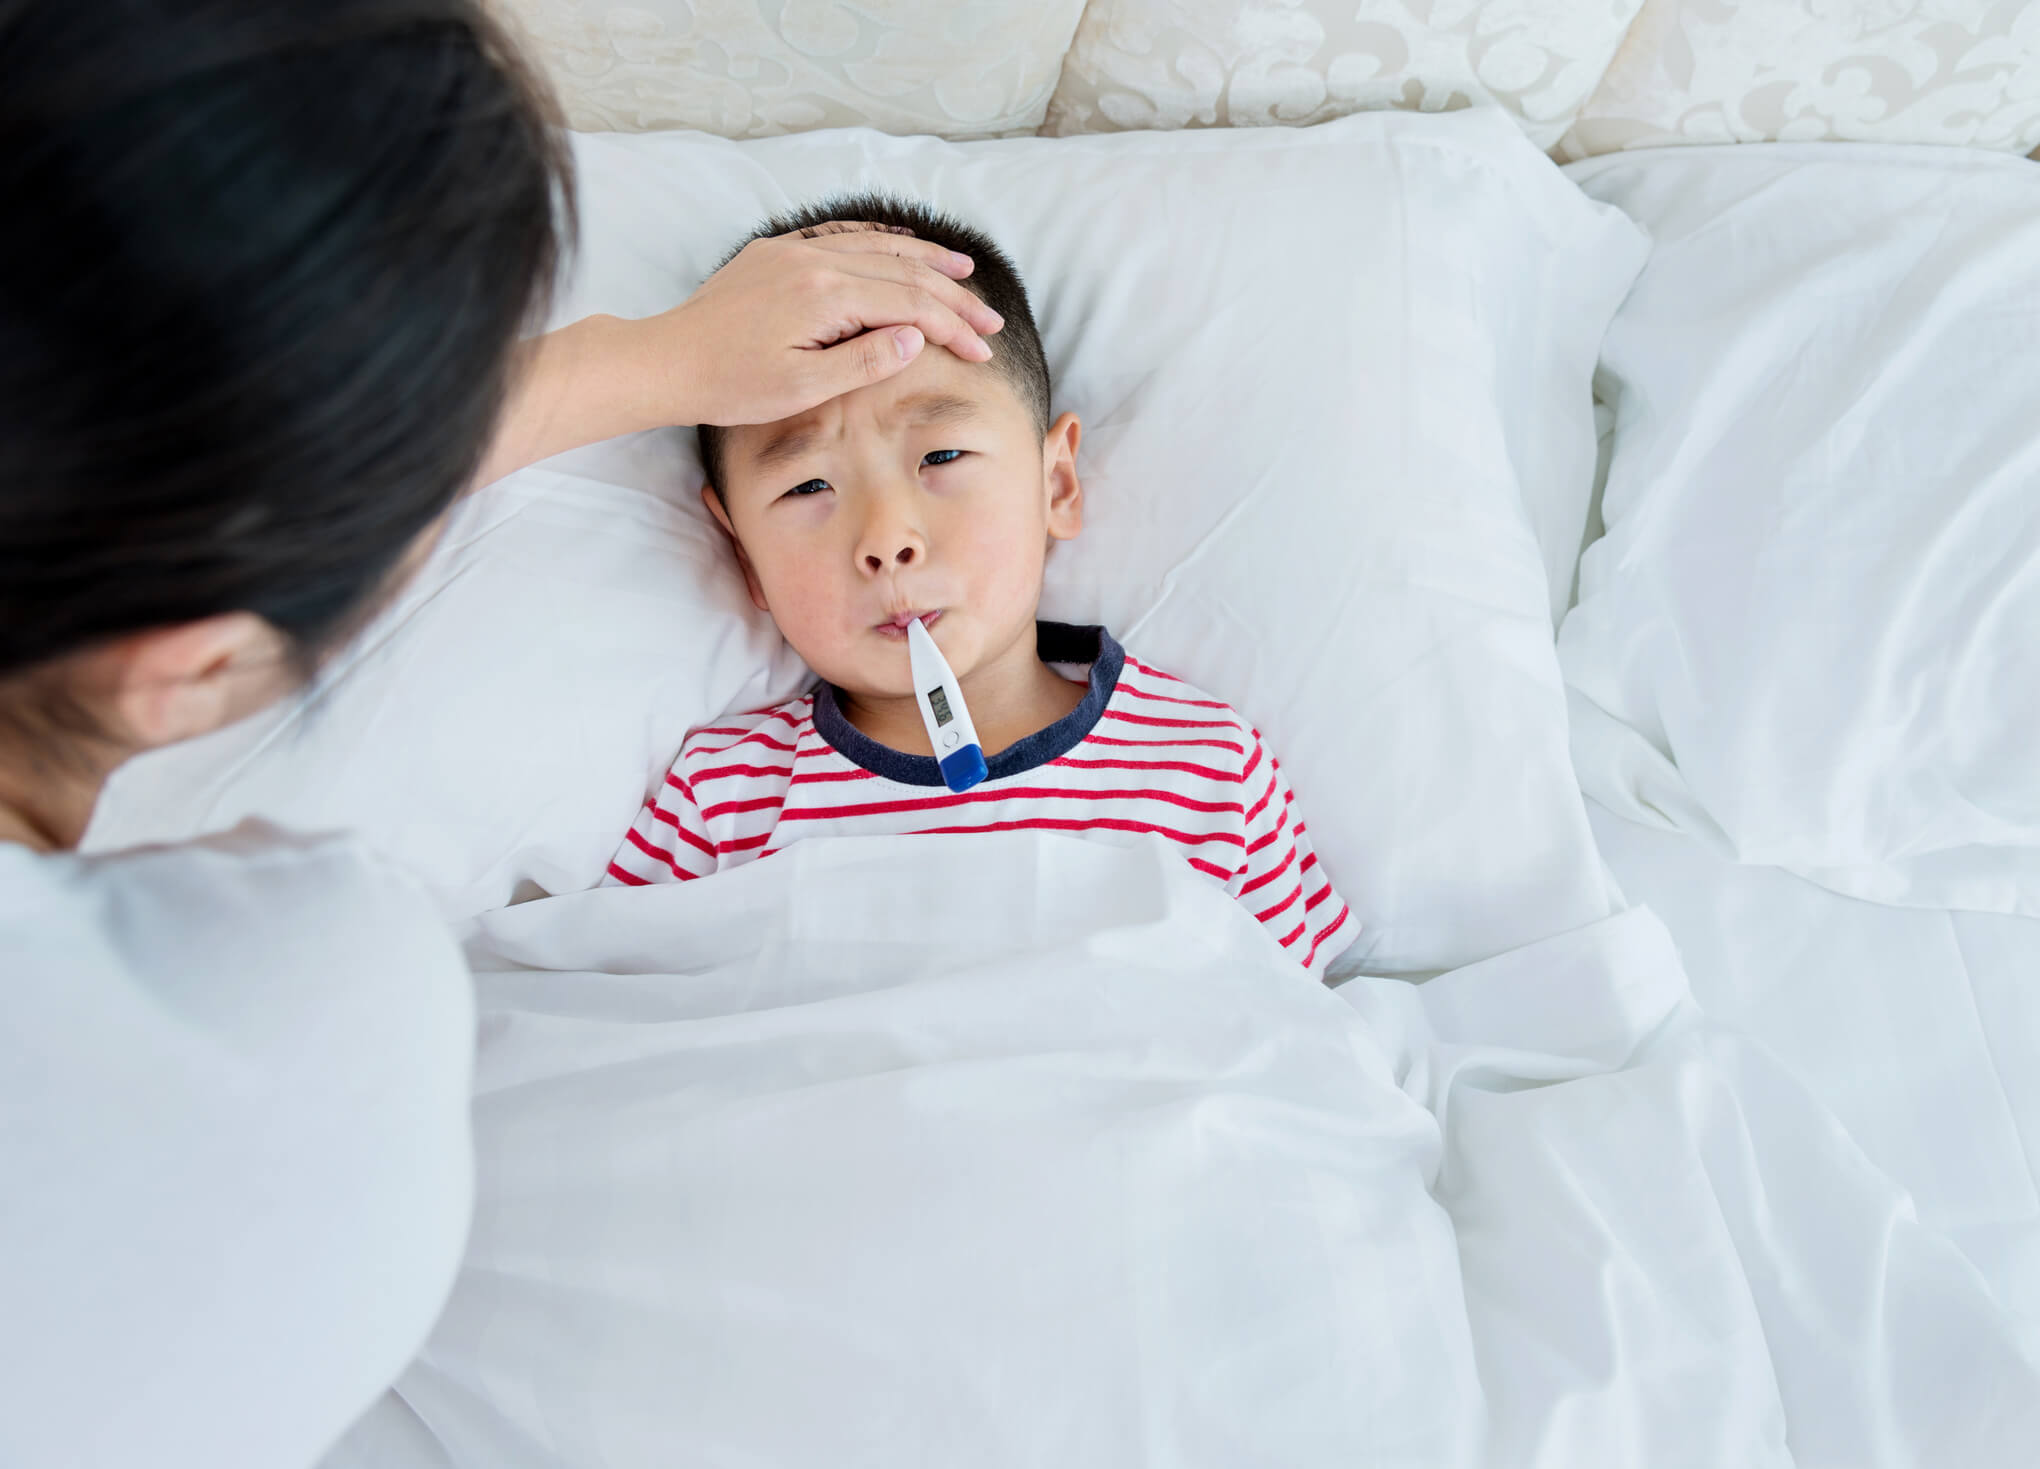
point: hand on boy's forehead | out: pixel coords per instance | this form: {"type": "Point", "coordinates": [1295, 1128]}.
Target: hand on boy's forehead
{"type": "Point", "coordinates": [937, 390]}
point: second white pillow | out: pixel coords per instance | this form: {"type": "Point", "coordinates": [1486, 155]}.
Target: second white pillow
{"type": "Point", "coordinates": [1809, 634]}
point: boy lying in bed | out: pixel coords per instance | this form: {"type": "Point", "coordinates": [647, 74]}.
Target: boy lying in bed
{"type": "Point", "coordinates": [935, 494]}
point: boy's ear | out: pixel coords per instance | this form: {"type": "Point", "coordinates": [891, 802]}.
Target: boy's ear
{"type": "Point", "coordinates": [1059, 478]}
{"type": "Point", "coordinates": [716, 508]}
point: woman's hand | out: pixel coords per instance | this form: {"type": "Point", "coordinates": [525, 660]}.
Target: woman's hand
{"type": "Point", "coordinates": [792, 321]}
{"type": "Point", "coordinates": [798, 319]}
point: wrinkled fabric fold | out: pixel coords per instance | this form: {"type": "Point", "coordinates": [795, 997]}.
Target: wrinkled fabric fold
{"type": "Point", "coordinates": [1014, 1150]}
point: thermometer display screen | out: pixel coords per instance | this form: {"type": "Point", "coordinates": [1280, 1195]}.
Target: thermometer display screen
{"type": "Point", "coordinates": [939, 702]}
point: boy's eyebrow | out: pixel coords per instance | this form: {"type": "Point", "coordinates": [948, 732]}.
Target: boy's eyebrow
{"type": "Point", "coordinates": [787, 444]}
{"type": "Point", "coordinates": [932, 407]}
{"type": "Point", "coordinates": [937, 408]}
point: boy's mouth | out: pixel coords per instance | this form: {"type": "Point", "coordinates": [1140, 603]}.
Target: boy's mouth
{"type": "Point", "coordinates": [895, 627]}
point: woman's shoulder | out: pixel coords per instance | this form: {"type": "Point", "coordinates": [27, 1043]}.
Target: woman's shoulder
{"type": "Point", "coordinates": [255, 856]}
{"type": "Point", "coordinates": [255, 904]}
{"type": "Point", "coordinates": [293, 954]}
{"type": "Point", "coordinates": [241, 1068]}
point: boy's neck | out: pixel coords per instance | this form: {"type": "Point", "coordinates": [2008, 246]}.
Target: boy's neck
{"type": "Point", "coordinates": [1011, 696]}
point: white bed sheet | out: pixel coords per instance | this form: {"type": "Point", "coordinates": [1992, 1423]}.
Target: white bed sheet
{"type": "Point", "coordinates": [1918, 1028]}
{"type": "Point", "coordinates": [1020, 1150]}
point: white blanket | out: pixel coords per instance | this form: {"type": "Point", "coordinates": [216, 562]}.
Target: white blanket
{"type": "Point", "coordinates": [1919, 1030]}
{"type": "Point", "coordinates": [1016, 1150]}
{"type": "Point", "coordinates": [1807, 638]}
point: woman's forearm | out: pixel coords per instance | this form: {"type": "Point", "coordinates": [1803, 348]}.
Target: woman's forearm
{"type": "Point", "coordinates": [579, 385]}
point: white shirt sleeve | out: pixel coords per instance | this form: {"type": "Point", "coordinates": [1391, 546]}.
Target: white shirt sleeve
{"type": "Point", "coordinates": [234, 1088]}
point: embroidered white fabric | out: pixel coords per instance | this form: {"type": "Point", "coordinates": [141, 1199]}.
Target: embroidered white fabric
{"type": "Point", "coordinates": [1239, 63]}
{"type": "Point", "coordinates": [758, 68]}
{"type": "Point", "coordinates": [1861, 71]}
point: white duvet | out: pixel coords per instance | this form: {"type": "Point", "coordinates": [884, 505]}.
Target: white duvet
{"type": "Point", "coordinates": [1017, 1150]}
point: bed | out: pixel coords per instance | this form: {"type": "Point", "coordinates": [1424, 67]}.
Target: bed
{"type": "Point", "coordinates": [1634, 566]}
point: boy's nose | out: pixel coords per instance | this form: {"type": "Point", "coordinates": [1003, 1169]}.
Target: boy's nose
{"type": "Point", "coordinates": [891, 540]}
{"type": "Point", "coordinates": [906, 555]}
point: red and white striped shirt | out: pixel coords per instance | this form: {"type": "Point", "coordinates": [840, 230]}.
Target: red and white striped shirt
{"type": "Point", "coordinates": [1144, 753]}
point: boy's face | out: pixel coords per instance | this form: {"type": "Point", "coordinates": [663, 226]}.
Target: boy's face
{"type": "Point", "coordinates": [930, 493]}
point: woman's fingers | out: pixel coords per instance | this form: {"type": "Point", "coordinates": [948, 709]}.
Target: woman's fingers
{"type": "Point", "coordinates": [916, 277]}
{"type": "Point", "coordinates": [848, 236]}
{"type": "Point", "coordinates": [883, 326]}
{"type": "Point", "coordinates": [864, 302]}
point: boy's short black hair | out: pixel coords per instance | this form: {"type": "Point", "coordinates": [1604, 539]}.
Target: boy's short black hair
{"type": "Point", "coordinates": [1016, 347]}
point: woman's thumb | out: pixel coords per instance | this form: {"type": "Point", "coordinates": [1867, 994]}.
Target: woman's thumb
{"type": "Point", "coordinates": [907, 342]}
{"type": "Point", "coordinates": [869, 357]}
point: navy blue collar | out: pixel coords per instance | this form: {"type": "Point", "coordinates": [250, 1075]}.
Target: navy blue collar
{"type": "Point", "coordinates": [1054, 642]}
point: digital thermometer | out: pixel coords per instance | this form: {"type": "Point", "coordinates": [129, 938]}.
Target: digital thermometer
{"type": "Point", "coordinates": [943, 711]}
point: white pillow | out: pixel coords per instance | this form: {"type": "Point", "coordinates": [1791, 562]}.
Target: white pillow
{"type": "Point", "coordinates": [1812, 633]}
{"type": "Point", "coordinates": [490, 731]}
{"type": "Point", "coordinates": [1319, 372]}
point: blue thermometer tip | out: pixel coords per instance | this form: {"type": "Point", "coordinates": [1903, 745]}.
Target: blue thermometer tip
{"type": "Point", "coordinates": [963, 769]}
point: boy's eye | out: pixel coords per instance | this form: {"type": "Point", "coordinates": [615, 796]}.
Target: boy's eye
{"type": "Point", "coordinates": [812, 487]}
{"type": "Point", "coordinates": [941, 456]}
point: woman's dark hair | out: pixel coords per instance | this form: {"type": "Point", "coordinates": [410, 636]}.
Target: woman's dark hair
{"type": "Point", "coordinates": [262, 269]}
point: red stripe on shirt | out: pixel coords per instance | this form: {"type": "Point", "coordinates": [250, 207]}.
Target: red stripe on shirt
{"type": "Point", "coordinates": [657, 853]}
{"type": "Point", "coordinates": [1263, 839]}
{"type": "Point", "coordinates": [1140, 667]}
{"type": "Point", "coordinates": [1269, 876]}
{"type": "Point", "coordinates": [1267, 913]}
{"type": "Point", "coordinates": [725, 772]}
{"type": "Point", "coordinates": [817, 777]}
{"type": "Point", "coordinates": [756, 737]}
{"type": "Point", "coordinates": [1015, 793]}
{"type": "Point", "coordinates": [680, 831]}
{"type": "Point", "coordinates": [1158, 723]}
{"type": "Point", "coordinates": [623, 875]}
{"type": "Point", "coordinates": [1169, 699]}
{"type": "Point", "coordinates": [1102, 823]}
{"type": "Point", "coordinates": [1324, 933]}
{"type": "Point", "coordinates": [1098, 739]}
{"type": "Point", "coordinates": [736, 808]}
{"type": "Point", "coordinates": [1183, 765]}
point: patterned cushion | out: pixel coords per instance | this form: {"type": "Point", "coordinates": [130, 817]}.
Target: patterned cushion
{"type": "Point", "coordinates": [1234, 63]}
{"type": "Point", "coordinates": [753, 68]}
{"type": "Point", "coordinates": [1869, 71]}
